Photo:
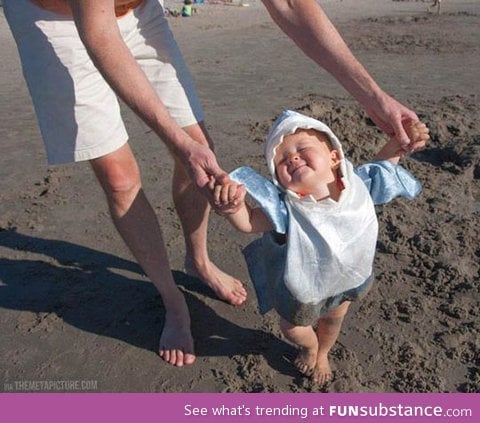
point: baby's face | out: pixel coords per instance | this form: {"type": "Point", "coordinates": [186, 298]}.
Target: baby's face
{"type": "Point", "coordinates": [305, 164]}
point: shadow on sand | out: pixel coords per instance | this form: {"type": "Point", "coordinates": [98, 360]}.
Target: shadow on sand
{"type": "Point", "coordinates": [109, 296]}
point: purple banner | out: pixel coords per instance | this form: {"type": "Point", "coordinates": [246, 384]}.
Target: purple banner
{"type": "Point", "coordinates": [201, 408]}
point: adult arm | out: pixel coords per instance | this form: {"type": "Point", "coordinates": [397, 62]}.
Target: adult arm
{"type": "Point", "coordinates": [99, 32]}
{"type": "Point", "coordinates": [308, 26]}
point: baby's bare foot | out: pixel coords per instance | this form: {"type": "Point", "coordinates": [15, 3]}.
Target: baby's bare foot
{"type": "Point", "coordinates": [225, 286]}
{"type": "Point", "coordinates": [306, 360]}
{"type": "Point", "coordinates": [322, 373]}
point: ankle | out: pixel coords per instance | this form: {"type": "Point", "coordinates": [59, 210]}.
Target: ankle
{"type": "Point", "coordinates": [175, 304]}
{"type": "Point", "coordinates": [198, 263]}
{"type": "Point", "coordinates": [322, 355]}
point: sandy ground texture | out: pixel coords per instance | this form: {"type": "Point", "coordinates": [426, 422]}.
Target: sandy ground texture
{"type": "Point", "coordinates": [75, 306]}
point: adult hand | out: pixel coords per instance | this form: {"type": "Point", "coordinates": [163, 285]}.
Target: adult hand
{"type": "Point", "coordinates": [202, 165]}
{"type": "Point", "coordinates": [205, 172]}
{"type": "Point", "coordinates": [418, 132]}
{"type": "Point", "coordinates": [392, 118]}
{"type": "Point", "coordinates": [228, 196]}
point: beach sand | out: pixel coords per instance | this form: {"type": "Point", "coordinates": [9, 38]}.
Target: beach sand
{"type": "Point", "coordinates": [75, 307]}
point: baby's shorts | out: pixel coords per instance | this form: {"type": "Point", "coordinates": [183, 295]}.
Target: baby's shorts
{"type": "Point", "coordinates": [77, 111]}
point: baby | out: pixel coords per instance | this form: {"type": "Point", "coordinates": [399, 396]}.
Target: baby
{"type": "Point", "coordinates": [320, 228]}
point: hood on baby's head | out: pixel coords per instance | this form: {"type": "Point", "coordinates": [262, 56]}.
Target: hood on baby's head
{"type": "Point", "coordinates": [288, 123]}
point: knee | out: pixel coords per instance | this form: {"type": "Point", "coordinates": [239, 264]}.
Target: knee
{"type": "Point", "coordinates": [121, 183]}
{"type": "Point", "coordinates": [331, 321]}
{"type": "Point", "coordinates": [123, 187]}
{"type": "Point", "coordinates": [337, 315]}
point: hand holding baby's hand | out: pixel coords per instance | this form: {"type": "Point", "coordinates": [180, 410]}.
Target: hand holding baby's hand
{"type": "Point", "coordinates": [228, 196]}
{"type": "Point", "coordinates": [418, 134]}
{"type": "Point", "coordinates": [393, 151]}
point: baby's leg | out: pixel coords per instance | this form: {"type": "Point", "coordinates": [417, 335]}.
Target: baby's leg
{"type": "Point", "coordinates": [305, 338]}
{"type": "Point", "coordinates": [328, 329]}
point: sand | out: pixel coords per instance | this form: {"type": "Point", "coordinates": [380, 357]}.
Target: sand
{"type": "Point", "coordinates": [75, 306]}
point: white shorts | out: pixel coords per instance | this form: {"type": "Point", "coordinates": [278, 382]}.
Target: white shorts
{"type": "Point", "coordinates": [77, 111]}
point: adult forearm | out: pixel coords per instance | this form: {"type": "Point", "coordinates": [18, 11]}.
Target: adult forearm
{"type": "Point", "coordinates": [309, 27]}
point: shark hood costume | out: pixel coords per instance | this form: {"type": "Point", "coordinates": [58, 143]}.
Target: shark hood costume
{"type": "Point", "coordinates": [288, 123]}
{"type": "Point", "coordinates": [330, 245]}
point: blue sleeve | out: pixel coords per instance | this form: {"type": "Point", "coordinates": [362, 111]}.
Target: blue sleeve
{"type": "Point", "coordinates": [266, 194]}
{"type": "Point", "coordinates": [386, 181]}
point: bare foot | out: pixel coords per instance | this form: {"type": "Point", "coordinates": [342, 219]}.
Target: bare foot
{"type": "Point", "coordinates": [225, 286]}
{"type": "Point", "coordinates": [322, 373]}
{"type": "Point", "coordinates": [306, 360]}
{"type": "Point", "coordinates": [176, 342]}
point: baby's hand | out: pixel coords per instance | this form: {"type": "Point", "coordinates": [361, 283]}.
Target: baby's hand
{"type": "Point", "coordinates": [418, 134]}
{"type": "Point", "coordinates": [393, 150]}
{"type": "Point", "coordinates": [228, 197]}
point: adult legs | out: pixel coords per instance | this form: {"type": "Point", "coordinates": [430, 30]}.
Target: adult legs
{"type": "Point", "coordinates": [157, 53]}
{"type": "Point", "coordinates": [328, 329]}
{"type": "Point", "coordinates": [193, 210]}
{"type": "Point", "coordinates": [137, 224]}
